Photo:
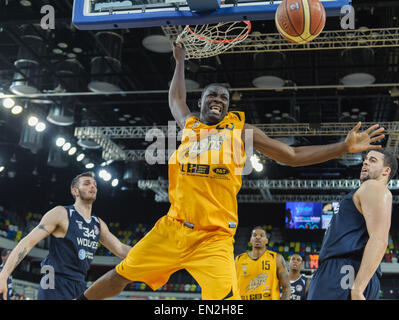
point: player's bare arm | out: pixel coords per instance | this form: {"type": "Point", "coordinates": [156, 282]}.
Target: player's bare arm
{"type": "Point", "coordinates": [177, 91]}
{"type": "Point", "coordinates": [283, 278]}
{"type": "Point", "coordinates": [52, 220]}
{"type": "Point", "coordinates": [112, 243]}
{"type": "Point", "coordinates": [374, 201]}
{"type": "Point", "coordinates": [307, 286]}
{"type": "Point", "coordinates": [307, 155]}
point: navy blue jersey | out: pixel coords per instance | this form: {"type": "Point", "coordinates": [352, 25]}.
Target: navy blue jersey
{"type": "Point", "coordinates": [9, 286]}
{"type": "Point", "coordinates": [298, 288]}
{"type": "Point", "coordinates": [72, 255]}
{"type": "Point", "coordinates": [347, 233]}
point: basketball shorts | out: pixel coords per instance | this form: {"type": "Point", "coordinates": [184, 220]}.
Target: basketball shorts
{"type": "Point", "coordinates": [334, 278]}
{"type": "Point", "coordinates": [64, 289]}
{"type": "Point", "coordinates": [171, 246]}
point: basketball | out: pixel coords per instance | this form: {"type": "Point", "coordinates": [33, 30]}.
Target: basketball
{"type": "Point", "coordinates": [300, 21]}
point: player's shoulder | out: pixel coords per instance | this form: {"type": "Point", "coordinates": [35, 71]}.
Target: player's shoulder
{"type": "Point", "coordinates": [59, 210]}
{"type": "Point", "coordinates": [241, 256]}
{"type": "Point", "coordinates": [274, 254]}
{"type": "Point", "coordinates": [304, 278]}
{"type": "Point", "coordinates": [190, 117]}
{"type": "Point", "coordinates": [373, 186]}
{"type": "Point", "coordinates": [56, 214]}
{"type": "Point", "coordinates": [238, 115]}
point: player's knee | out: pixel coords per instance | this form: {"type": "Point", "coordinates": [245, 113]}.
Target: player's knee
{"type": "Point", "coordinates": [116, 278]}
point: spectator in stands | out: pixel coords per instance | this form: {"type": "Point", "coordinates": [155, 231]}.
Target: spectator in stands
{"type": "Point", "coordinates": [5, 253]}
{"type": "Point", "coordinates": [260, 271]}
{"type": "Point", "coordinates": [299, 282]}
{"type": "Point", "coordinates": [74, 235]}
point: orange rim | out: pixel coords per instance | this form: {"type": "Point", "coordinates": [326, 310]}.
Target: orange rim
{"type": "Point", "coordinates": [248, 23]}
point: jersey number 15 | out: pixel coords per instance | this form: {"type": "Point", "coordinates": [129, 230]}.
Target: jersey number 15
{"type": "Point", "coordinates": [265, 265]}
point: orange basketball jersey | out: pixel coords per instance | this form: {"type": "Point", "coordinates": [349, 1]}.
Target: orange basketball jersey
{"type": "Point", "coordinates": [257, 279]}
{"type": "Point", "coordinates": [205, 174]}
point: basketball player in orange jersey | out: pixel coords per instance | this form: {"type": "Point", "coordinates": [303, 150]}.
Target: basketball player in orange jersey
{"type": "Point", "coordinates": [197, 232]}
{"type": "Point", "coordinates": [260, 271]}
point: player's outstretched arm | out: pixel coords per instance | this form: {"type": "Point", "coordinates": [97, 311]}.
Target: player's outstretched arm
{"type": "Point", "coordinates": [376, 206]}
{"type": "Point", "coordinates": [177, 91]}
{"type": "Point", "coordinates": [112, 243]}
{"type": "Point", "coordinates": [283, 278]}
{"type": "Point", "coordinates": [47, 225]}
{"type": "Point", "coordinates": [304, 156]}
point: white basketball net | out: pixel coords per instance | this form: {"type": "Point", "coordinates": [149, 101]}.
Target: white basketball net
{"type": "Point", "coordinates": [203, 41]}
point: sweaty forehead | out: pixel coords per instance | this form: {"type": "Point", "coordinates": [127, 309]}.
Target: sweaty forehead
{"type": "Point", "coordinates": [216, 89]}
{"type": "Point", "coordinates": [87, 180]}
{"type": "Point", "coordinates": [258, 231]}
{"type": "Point", "coordinates": [296, 256]}
{"type": "Point", "coordinates": [374, 154]}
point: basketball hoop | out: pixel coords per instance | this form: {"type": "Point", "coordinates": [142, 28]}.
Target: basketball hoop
{"type": "Point", "coordinates": [203, 41]}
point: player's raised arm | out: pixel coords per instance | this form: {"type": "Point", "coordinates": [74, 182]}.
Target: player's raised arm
{"type": "Point", "coordinates": [307, 155]}
{"type": "Point", "coordinates": [47, 225]}
{"type": "Point", "coordinates": [177, 90]}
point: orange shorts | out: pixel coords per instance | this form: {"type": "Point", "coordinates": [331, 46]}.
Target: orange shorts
{"type": "Point", "coordinates": [171, 246]}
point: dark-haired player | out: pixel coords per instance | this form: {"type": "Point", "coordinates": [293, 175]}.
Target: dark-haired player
{"type": "Point", "coordinates": [299, 282]}
{"type": "Point", "coordinates": [357, 237]}
{"type": "Point", "coordinates": [74, 235]}
{"type": "Point", "coordinates": [260, 272]}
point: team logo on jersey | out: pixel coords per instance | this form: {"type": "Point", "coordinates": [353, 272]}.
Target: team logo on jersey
{"type": "Point", "coordinates": [257, 282]}
{"type": "Point", "coordinates": [82, 254]}
{"type": "Point", "coordinates": [211, 142]}
{"type": "Point", "coordinates": [196, 124]}
{"type": "Point", "coordinates": [96, 230]}
{"type": "Point", "coordinates": [298, 288]}
{"type": "Point", "coordinates": [80, 224]}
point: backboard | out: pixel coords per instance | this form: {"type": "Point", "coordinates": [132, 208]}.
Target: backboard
{"type": "Point", "coordinates": [106, 14]}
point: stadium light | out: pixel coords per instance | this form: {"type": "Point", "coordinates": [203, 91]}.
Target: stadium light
{"type": "Point", "coordinates": [66, 146]}
{"type": "Point", "coordinates": [16, 110]}
{"type": "Point", "coordinates": [8, 103]}
{"type": "Point", "coordinates": [80, 157]}
{"type": "Point", "coordinates": [33, 121]}
{"type": "Point", "coordinates": [72, 151]}
{"type": "Point", "coordinates": [90, 165]}
{"type": "Point", "coordinates": [60, 142]}
{"type": "Point", "coordinates": [40, 127]}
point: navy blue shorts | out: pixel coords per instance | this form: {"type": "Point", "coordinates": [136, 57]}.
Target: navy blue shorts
{"type": "Point", "coordinates": [64, 289]}
{"type": "Point", "coordinates": [334, 278]}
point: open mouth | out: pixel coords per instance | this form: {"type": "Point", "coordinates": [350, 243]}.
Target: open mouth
{"type": "Point", "coordinates": [216, 109]}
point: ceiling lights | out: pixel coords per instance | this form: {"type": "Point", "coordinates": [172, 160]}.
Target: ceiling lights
{"type": "Point", "coordinates": [358, 63]}
{"type": "Point", "coordinates": [157, 43]}
{"type": "Point", "coordinates": [8, 103]}
{"type": "Point", "coordinates": [106, 64]}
